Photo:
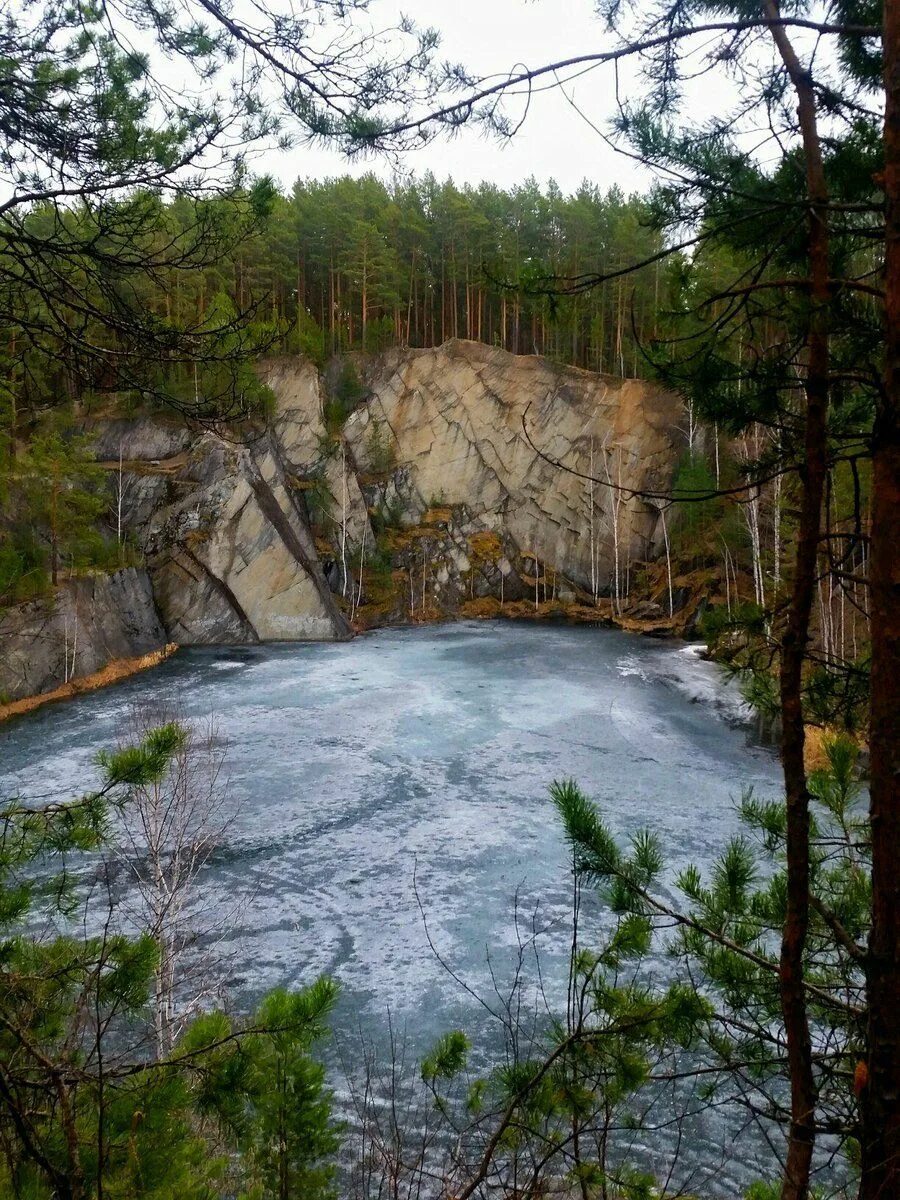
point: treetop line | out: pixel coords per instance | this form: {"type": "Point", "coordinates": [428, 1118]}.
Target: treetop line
{"type": "Point", "coordinates": [760, 277]}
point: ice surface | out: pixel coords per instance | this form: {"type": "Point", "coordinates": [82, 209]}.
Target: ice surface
{"type": "Point", "coordinates": [427, 751]}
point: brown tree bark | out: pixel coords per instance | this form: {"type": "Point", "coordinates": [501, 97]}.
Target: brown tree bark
{"type": "Point", "coordinates": [443, 295]}
{"type": "Point", "coordinates": [880, 1160]}
{"type": "Point", "coordinates": [813, 474]}
{"type": "Point", "coordinates": [54, 532]}
{"type": "Point", "coordinates": [331, 314]}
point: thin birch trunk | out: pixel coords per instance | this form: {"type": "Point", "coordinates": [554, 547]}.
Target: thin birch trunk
{"type": "Point", "coordinates": [344, 517]}
{"type": "Point", "coordinates": [662, 513]}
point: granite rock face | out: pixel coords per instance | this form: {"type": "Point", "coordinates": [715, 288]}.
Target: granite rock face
{"type": "Point", "coordinates": [511, 438]}
{"type": "Point", "coordinates": [222, 528]}
{"type": "Point", "coordinates": [228, 546]}
{"type": "Point", "coordinates": [462, 473]}
{"type": "Point", "coordinates": [86, 624]}
{"type": "Point", "coordinates": [482, 452]}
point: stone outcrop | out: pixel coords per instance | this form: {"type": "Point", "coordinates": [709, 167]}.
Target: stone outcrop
{"type": "Point", "coordinates": [225, 535]}
{"type": "Point", "coordinates": [479, 428]}
{"type": "Point", "coordinates": [462, 475]}
{"type": "Point", "coordinates": [231, 556]}
{"type": "Point", "coordinates": [87, 623]}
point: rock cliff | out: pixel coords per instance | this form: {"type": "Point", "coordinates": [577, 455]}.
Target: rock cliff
{"type": "Point", "coordinates": [471, 427]}
{"type": "Point", "coordinates": [458, 473]}
{"type": "Point", "coordinates": [87, 623]}
{"type": "Point", "coordinates": [223, 531]}
{"type": "Point", "coordinates": [441, 485]}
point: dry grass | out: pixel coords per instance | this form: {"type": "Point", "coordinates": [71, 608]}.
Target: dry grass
{"type": "Point", "coordinates": [118, 668]}
{"type": "Point", "coordinates": [437, 516]}
{"type": "Point", "coordinates": [485, 546]}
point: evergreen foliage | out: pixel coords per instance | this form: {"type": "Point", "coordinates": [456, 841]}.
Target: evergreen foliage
{"type": "Point", "coordinates": [561, 1108]}
{"type": "Point", "coordinates": [364, 264]}
{"type": "Point", "coordinates": [725, 936]}
{"type": "Point", "coordinates": [52, 492]}
{"type": "Point", "coordinates": [238, 1107]}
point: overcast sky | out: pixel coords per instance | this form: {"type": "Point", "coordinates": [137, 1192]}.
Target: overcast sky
{"type": "Point", "coordinates": [496, 35]}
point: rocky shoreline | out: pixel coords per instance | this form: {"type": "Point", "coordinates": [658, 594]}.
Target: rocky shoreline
{"type": "Point", "coordinates": [113, 672]}
{"type": "Point", "coordinates": [457, 484]}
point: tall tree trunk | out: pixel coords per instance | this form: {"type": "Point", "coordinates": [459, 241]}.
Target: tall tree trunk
{"type": "Point", "coordinates": [443, 294]}
{"type": "Point", "coordinates": [881, 1097]}
{"type": "Point", "coordinates": [454, 285]}
{"type": "Point", "coordinates": [332, 308]}
{"type": "Point", "coordinates": [468, 300]}
{"type": "Point", "coordinates": [794, 639]}
{"type": "Point", "coordinates": [54, 533]}
{"type": "Point", "coordinates": [411, 297]}
{"type": "Point", "coordinates": [13, 409]}
{"type": "Point", "coordinates": [301, 298]}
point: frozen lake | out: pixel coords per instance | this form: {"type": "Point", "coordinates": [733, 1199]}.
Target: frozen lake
{"type": "Point", "coordinates": [429, 751]}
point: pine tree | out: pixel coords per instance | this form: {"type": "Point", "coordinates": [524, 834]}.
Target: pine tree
{"type": "Point", "coordinates": [86, 1110]}
{"type": "Point", "coordinates": [61, 487]}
